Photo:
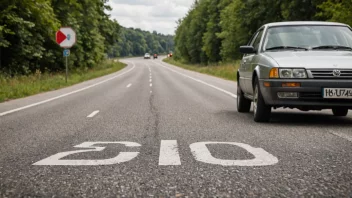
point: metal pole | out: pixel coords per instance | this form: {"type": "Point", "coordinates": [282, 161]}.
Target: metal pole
{"type": "Point", "coordinates": [66, 69]}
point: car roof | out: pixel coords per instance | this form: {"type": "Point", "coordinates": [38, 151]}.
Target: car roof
{"type": "Point", "coordinates": [304, 23]}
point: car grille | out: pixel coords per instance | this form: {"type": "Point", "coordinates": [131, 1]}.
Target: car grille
{"type": "Point", "coordinates": [310, 95]}
{"type": "Point", "coordinates": [331, 74]}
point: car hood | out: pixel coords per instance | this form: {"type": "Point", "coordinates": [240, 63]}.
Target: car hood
{"type": "Point", "coordinates": [313, 59]}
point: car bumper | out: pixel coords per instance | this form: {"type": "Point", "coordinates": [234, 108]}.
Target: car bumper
{"type": "Point", "coordinates": [309, 93]}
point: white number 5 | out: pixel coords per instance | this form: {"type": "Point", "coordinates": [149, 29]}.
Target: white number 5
{"type": "Point", "coordinates": [120, 158]}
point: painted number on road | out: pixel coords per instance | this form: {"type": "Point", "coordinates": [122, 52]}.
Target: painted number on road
{"type": "Point", "coordinates": [169, 155]}
{"type": "Point", "coordinates": [261, 157]}
{"type": "Point", "coordinates": [89, 147]}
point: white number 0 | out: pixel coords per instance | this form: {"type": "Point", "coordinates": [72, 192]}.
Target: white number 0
{"type": "Point", "coordinates": [120, 158]}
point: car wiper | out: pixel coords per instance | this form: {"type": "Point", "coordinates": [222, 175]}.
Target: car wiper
{"type": "Point", "coordinates": [335, 47]}
{"type": "Point", "coordinates": [287, 47]}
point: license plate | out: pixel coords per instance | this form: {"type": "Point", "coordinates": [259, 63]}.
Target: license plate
{"type": "Point", "coordinates": [337, 93]}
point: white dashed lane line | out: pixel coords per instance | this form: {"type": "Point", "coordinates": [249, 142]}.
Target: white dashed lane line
{"type": "Point", "coordinates": [93, 114]}
{"type": "Point", "coordinates": [150, 77]}
{"type": "Point", "coordinates": [129, 85]}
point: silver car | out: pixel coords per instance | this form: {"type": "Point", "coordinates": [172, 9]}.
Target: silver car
{"type": "Point", "coordinates": [146, 56]}
{"type": "Point", "coordinates": [303, 65]}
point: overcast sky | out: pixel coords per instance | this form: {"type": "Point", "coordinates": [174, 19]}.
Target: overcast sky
{"type": "Point", "coordinates": [158, 15]}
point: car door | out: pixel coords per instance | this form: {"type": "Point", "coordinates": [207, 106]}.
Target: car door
{"type": "Point", "coordinates": [246, 64]}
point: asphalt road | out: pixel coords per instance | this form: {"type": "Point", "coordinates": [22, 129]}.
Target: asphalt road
{"type": "Point", "coordinates": [141, 133]}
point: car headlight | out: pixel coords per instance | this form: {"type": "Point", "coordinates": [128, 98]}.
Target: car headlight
{"type": "Point", "coordinates": [293, 73]}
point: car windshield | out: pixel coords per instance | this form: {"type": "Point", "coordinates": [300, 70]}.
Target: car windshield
{"type": "Point", "coordinates": [308, 37]}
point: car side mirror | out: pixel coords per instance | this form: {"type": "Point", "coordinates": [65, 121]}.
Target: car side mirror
{"type": "Point", "coordinates": [247, 50]}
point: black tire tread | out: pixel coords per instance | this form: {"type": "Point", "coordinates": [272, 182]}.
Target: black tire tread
{"type": "Point", "coordinates": [340, 112]}
{"type": "Point", "coordinates": [263, 110]}
{"type": "Point", "coordinates": [244, 105]}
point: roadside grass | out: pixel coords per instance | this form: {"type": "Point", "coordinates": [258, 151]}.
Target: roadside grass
{"type": "Point", "coordinates": [226, 71]}
{"type": "Point", "coordinates": [22, 86]}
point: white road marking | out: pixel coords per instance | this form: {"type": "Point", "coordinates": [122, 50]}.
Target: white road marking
{"type": "Point", "coordinates": [169, 155]}
{"type": "Point", "coordinates": [93, 114]}
{"type": "Point", "coordinates": [129, 85]}
{"type": "Point", "coordinates": [151, 84]}
{"type": "Point", "coordinates": [343, 135]}
{"type": "Point", "coordinates": [56, 160]}
{"type": "Point", "coordinates": [261, 157]}
{"type": "Point", "coordinates": [202, 82]}
{"type": "Point", "coordinates": [64, 95]}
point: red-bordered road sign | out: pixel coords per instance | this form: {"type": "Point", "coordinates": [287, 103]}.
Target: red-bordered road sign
{"type": "Point", "coordinates": [66, 37]}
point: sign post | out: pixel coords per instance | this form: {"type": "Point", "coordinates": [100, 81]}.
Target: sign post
{"type": "Point", "coordinates": [66, 38]}
{"type": "Point", "coordinates": [66, 55]}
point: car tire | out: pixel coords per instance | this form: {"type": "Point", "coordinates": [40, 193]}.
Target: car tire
{"type": "Point", "coordinates": [243, 104]}
{"type": "Point", "coordinates": [340, 111]}
{"type": "Point", "coordinates": [262, 112]}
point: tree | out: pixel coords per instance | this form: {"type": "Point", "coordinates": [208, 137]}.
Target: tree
{"type": "Point", "coordinates": [336, 10]}
{"type": "Point", "coordinates": [224, 25]}
{"type": "Point", "coordinates": [25, 27]}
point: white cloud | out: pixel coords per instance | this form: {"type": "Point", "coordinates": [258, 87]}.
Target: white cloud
{"type": "Point", "coordinates": [150, 15]}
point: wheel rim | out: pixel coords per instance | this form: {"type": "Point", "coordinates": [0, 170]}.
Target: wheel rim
{"type": "Point", "coordinates": [255, 100]}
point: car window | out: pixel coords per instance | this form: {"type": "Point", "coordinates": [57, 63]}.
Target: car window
{"type": "Point", "coordinates": [252, 39]}
{"type": "Point", "coordinates": [256, 42]}
{"type": "Point", "coordinates": [308, 36]}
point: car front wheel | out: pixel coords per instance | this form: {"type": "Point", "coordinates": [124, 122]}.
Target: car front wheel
{"type": "Point", "coordinates": [243, 104]}
{"type": "Point", "coordinates": [340, 111]}
{"type": "Point", "coordinates": [261, 111]}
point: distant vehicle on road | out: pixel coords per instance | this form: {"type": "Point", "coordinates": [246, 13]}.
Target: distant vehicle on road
{"type": "Point", "coordinates": [147, 56]}
{"type": "Point", "coordinates": [304, 65]}
{"type": "Point", "coordinates": [155, 56]}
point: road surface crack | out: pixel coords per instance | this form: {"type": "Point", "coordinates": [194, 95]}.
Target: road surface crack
{"type": "Point", "coordinates": [154, 119]}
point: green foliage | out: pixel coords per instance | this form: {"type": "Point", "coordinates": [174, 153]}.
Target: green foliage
{"type": "Point", "coordinates": [136, 42]}
{"type": "Point", "coordinates": [337, 11]}
{"type": "Point", "coordinates": [224, 25]}
{"type": "Point", "coordinates": [25, 27]}
{"type": "Point", "coordinates": [27, 35]}
{"type": "Point", "coordinates": [22, 86]}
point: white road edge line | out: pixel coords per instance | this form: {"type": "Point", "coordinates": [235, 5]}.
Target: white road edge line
{"type": "Point", "coordinates": [93, 114]}
{"type": "Point", "coordinates": [151, 84]}
{"type": "Point", "coordinates": [150, 80]}
{"type": "Point", "coordinates": [129, 85]}
{"type": "Point", "coordinates": [202, 82]}
{"type": "Point", "coordinates": [67, 94]}
{"type": "Point", "coordinates": [342, 135]}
